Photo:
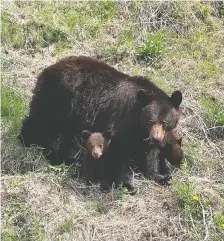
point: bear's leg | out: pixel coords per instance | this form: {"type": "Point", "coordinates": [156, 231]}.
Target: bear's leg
{"type": "Point", "coordinates": [89, 167]}
{"type": "Point", "coordinates": [100, 174]}
{"type": "Point", "coordinates": [69, 131]}
{"type": "Point", "coordinates": [127, 182]}
{"type": "Point", "coordinates": [32, 132]}
{"type": "Point", "coordinates": [154, 160]}
{"type": "Point", "coordinates": [121, 176]}
{"type": "Point", "coordinates": [51, 133]}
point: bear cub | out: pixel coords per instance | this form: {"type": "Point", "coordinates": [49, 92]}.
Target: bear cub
{"type": "Point", "coordinates": [173, 150]}
{"type": "Point", "coordinates": [96, 145]}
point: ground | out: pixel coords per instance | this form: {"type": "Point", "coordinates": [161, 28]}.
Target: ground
{"type": "Point", "coordinates": [176, 45]}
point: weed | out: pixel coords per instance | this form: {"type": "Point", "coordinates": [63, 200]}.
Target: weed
{"type": "Point", "coordinates": [98, 207]}
{"type": "Point", "coordinates": [61, 171]}
{"type": "Point", "coordinates": [152, 47]}
{"type": "Point", "coordinates": [38, 233]}
{"type": "Point", "coordinates": [219, 222]}
{"type": "Point", "coordinates": [213, 112]}
{"type": "Point", "coordinates": [185, 194]}
{"type": "Point", "coordinates": [67, 226]}
{"type": "Point", "coordinates": [120, 192]}
{"type": "Point", "coordinates": [9, 234]}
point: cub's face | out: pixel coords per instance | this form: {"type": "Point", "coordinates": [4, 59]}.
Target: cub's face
{"type": "Point", "coordinates": [96, 143]}
{"type": "Point", "coordinates": [159, 115]}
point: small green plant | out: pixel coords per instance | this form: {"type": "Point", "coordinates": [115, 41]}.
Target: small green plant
{"type": "Point", "coordinates": [219, 221]}
{"type": "Point", "coordinates": [202, 11]}
{"type": "Point", "coordinates": [152, 48]}
{"type": "Point", "coordinates": [189, 201]}
{"type": "Point", "coordinates": [213, 112]}
{"type": "Point", "coordinates": [9, 234]}
{"type": "Point", "coordinates": [37, 230]}
{"type": "Point", "coordinates": [184, 191]}
{"type": "Point", "coordinates": [62, 171]}
{"type": "Point", "coordinates": [120, 192]}
{"type": "Point", "coordinates": [99, 207]}
{"type": "Point", "coordinates": [66, 226]}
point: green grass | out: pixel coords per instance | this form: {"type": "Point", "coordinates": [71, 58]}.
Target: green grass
{"type": "Point", "coordinates": [54, 24]}
{"type": "Point", "coordinates": [213, 112]}
{"type": "Point", "coordinates": [197, 209]}
{"type": "Point", "coordinates": [67, 226]}
{"type": "Point", "coordinates": [13, 107]}
{"type": "Point", "coordinates": [152, 47]}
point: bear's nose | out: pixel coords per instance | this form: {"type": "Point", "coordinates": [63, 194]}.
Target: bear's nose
{"type": "Point", "coordinates": [96, 153]}
{"type": "Point", "coordinates": [157, 132]}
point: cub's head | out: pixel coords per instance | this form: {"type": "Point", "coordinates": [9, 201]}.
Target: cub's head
{"type": "Point", "coordinates": [159, 115]}
{"type": "Point", "coordinates": [96, 143]}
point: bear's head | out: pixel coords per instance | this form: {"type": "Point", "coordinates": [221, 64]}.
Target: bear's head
{"type": "Point", "coordinates": [96, 143]}
{"type": "Point", "coordinates": [158, 114]}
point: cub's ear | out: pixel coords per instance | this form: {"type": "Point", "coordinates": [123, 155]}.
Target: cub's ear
{"type": "Point", "coordinates": [142, 97]}
{"type": "Point", "coordinates": [179, 141]}
{"type": "Point", "coordinates": [86, 134]}
{"type": "Point", "coordinates": [176, 98]}
{"type": "Point", "coordinates": [107, 135]}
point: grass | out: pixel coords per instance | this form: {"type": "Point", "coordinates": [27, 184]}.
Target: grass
{"type": "Point", "coordinates": [13, 107]}
{"type": "Point", "coordinates": [152, 48]}
{"type": "Point", "coordinates": [213, 112]}
{"type": "Point", "coordinates": [176, 45]}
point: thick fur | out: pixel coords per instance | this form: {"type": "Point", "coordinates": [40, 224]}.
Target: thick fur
{"type": "Point", "coordinates": [80, 93]}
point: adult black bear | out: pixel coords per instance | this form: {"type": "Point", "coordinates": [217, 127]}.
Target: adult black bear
{"type": "Point", "coordinates": [79, 93]}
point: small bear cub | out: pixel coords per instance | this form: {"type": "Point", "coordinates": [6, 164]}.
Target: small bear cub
{"type": "Point", "coordinates": [173, 149]}
{"type": "Point", "coordinates": [96, 145]}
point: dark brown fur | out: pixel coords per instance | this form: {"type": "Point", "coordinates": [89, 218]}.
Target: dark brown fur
{"type": "Point", "coordinates": [78, 93]}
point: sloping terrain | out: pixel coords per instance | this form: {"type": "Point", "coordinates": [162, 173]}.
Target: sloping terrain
{"type": "Point", "coordinates": [178, 45]}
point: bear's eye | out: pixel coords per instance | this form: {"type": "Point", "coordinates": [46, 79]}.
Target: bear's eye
{"type": "Point", "coordinates": [101, 146]}
{"type": "Point", "coordinates": [164, 123]}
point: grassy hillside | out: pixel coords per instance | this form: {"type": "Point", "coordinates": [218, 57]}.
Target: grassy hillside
{"type": "Point", "coordinates": [178, 45]}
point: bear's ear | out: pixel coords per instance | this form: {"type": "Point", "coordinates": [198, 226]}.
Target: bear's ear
{"type": "Point", "coordinates": [142, 98]}
{"type": "Point", "coordinates": [179, 141]}
{"type": "Point", "coordinates": [86, 134]}
{"type": "Point", "coordinates": [107, 135]}
{"type": "Point", "coordinates": [176, 98]}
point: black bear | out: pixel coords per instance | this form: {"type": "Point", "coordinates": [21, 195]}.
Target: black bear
{"type": "Point", "coordinates": [96, 145]}
{"type": "Point", "coordinates": [79, 93]}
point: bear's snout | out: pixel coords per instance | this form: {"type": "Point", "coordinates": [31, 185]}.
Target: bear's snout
{"type": "Point", "coordinates": [157, 132]}
{"type": "Point", "coordinates": [96, 152]}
